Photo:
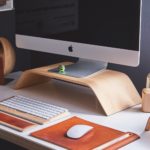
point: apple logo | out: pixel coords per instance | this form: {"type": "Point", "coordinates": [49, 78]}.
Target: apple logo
{"type": "Point", "coordinates": [70, 48]}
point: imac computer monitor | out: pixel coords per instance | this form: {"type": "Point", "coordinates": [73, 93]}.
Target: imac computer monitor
{"type": "Point", "coordinates": [101, 30]}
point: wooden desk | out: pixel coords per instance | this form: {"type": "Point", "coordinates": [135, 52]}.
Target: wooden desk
{"type": "Point", "coordinates": [78, 100]}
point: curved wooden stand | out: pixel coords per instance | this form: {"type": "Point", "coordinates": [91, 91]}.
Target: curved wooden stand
{"type": "Point", "coordinates": [114, 90]}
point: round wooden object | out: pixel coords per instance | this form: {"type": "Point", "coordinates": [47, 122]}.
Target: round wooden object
{"type": "Point", "coordinates": [2, 2]}
{"type": "Point", "coordinates": [8, 54]}
{"type": "Point", "coordinates": [146, 100]}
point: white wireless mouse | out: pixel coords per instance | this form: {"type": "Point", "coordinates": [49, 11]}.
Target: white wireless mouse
{"type": "Point", "coordinates": [77, 131]}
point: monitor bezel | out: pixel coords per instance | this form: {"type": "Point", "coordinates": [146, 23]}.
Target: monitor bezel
{"type": "Point", "coordinates": [82, 50]}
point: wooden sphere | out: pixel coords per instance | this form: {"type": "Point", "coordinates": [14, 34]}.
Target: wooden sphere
{"type": "Point", "coordinates": [2, 2]}
{"type": "Point", "coordinates": [8, 54]}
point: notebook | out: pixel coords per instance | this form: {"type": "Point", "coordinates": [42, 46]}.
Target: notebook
{"type": "Point", "coordinates": [102, 138]}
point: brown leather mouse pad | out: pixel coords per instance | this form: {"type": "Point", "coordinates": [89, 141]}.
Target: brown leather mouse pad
{"type": "Point", "coordinates": [99, 136]}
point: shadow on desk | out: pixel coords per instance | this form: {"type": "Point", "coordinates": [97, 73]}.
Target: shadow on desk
{"type": "Point", "coordinates": [76, 98]}
{"type": "Point", "coordinates": [146, 139]}
{"type": "Point", "coordinates": [9, 146]}
{"type": "Point", "coordinates": [136, 109]}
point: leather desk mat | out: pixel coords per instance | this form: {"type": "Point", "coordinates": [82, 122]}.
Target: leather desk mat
{"type": "Point", "coordinates": [98, 136]}
{"type": "Point", "coordinates": [15, 122]}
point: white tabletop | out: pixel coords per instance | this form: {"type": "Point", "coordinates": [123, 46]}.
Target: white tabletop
{"type": "Point", "coordinates": [82, 103]}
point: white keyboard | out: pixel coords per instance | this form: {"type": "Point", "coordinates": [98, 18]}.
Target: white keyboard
{"type": "Point", "coordinates": [33, 107]}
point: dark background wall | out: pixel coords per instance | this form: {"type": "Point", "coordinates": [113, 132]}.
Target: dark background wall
{"type": "Point", "coordinates": [29, 59]}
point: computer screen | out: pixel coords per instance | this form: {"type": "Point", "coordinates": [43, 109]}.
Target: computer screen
{"type": "Point", "coordinates": [105, 30]}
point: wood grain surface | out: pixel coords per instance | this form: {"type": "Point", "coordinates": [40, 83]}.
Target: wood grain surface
{"type": "Point", "coordinates": [147, 128]}
{"type": "Point", "coordinates": [114, 90]}
{"type": "Point", "coordinates": [2, 2]}
{"type": "Point", "coordinates": [8, 54]}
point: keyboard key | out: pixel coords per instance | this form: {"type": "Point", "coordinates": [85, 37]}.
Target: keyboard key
{"type": "Point", "coordinates": [33, 107]}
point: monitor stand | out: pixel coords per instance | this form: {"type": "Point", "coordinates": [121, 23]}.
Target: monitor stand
{"type": "Point", "coordinates": [82, 68]}
{"type": "Point", "coordinates": [114, 90]}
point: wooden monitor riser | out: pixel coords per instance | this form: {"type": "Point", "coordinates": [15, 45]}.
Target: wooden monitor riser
{"type": "Point", "coordinates": [114, 90]}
